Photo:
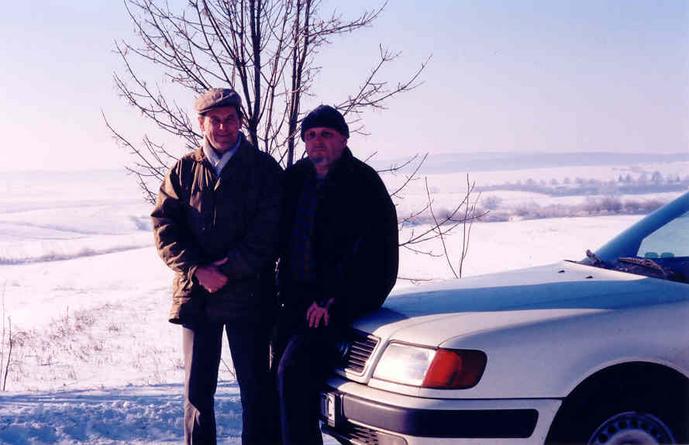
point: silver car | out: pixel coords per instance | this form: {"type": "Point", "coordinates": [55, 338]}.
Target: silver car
{"type": "Point", "coordinates": [593, 351]}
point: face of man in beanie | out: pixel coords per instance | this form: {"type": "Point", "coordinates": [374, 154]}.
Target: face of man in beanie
{"type": "Point", "coordinates": [324, 146]}
{"type": "Point", "coordinates": [221, 127]}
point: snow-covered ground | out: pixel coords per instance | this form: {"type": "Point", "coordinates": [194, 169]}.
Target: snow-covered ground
{"type": "Point", "coordinates": [86, 297]}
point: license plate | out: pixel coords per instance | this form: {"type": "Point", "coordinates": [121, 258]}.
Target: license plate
{"type": "Point", "coordinates": [329, 408]}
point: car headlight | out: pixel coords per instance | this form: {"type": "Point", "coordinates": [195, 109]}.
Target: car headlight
{"type": "Point", "coordinates": [404, 364]}
{"type": "Point", "coordinates": [431, 368]}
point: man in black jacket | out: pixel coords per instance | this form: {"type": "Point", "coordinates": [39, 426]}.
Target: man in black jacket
{"type": "Point", "coordinates": [338, 260]}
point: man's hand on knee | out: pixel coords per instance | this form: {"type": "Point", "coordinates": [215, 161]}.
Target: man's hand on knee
{"type": "Point", "coordinates": [317, 313]}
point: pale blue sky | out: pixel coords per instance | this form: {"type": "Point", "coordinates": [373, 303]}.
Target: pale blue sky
{"type": "Point", "coordinates": [510, 75]}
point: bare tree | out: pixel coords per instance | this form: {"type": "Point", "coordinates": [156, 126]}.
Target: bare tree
{"type": "Point", "coordinates": [2, 331]}
{"type": "Point", "coordinates": [461, 217]}
{"type": "Point", "coordinates": [264, 49]}
{"type": "Point", "coordinates": [6, 337]}
{"type": "Point", "coordinates": [10, 344]}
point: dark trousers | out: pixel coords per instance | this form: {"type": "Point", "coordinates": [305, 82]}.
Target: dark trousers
{"type": "Point", "coordinates": [306, 360]}
{"type": "Point", "coordinates": [249, 346]}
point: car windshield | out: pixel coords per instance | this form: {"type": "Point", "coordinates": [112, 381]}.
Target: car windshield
{"type": "Point", "coordinates": [656, 246]}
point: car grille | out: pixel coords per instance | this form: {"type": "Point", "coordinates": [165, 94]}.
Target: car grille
{"type": "Point", "coordinates": [361, 434]}
{"type": "Point", "coordinates": [357, 434]}
{"type": "Point", "coordinates": [356, 350]}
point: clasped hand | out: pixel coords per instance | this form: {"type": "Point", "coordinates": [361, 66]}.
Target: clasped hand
{"type": "Point", "coordinates": [210, 277]}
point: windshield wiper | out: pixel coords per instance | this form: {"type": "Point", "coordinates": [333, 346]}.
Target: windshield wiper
{"type": "Point", "coordinates": [597, 261]}
{"type": "Point", "coordinates": [645, 262]}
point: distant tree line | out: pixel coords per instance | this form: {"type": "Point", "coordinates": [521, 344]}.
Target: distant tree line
{"type": "Point", "coordinates": [492, 210]}
{"type": "Point", "coordinates": [625, 184]}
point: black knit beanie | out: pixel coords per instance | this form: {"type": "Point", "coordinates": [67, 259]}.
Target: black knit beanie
{"type": "Point", "coordinates": [325, 116]}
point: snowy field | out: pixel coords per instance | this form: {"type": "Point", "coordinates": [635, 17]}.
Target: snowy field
{"type": "Point", "coordinates": [448, 188]}
{"type": "Point", "coordinates": [86, 297]}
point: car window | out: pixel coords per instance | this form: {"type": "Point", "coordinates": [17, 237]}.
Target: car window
{"type": "Point", "coordinates": [669, 241]}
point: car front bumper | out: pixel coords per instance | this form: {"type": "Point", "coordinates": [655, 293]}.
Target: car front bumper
{"type": "Point", "coordinates": [354, 413]}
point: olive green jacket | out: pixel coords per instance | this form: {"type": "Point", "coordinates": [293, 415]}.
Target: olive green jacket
{"type": "Point", "coordinates": [200, 218]}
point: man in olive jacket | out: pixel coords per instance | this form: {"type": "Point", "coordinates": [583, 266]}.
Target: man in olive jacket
{"type": "Point", "coordinates": [338, 260]}
{"type": "Point", "coordinates": [215, 224]}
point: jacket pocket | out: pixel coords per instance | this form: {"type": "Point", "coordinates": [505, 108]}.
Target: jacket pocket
{"type": "Point", "coordinates": [185, 307]}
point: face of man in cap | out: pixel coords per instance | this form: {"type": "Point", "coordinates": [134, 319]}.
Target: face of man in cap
{"type": "Point", "coordinates": [221, 127]}
{"type": "Point", "coordinates": [324, 146]}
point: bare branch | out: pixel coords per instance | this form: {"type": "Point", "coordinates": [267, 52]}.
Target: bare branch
{"type": "Point", "coordinates": [397, 167]}
{"type": "Point", "coordinates": [373, 93]}
{"type": "Point", "coordinates": [10, 340]}
{"type": "Point", "coordinates": [469, 209]}
{"type": "Point", "coordinates": [410, 177]}
{"type": "Point", "coordinates": [2, 334]}
{"type": "Point", "coordinates": [416, 280]}
{"type": "Point", "coordinates": [441, 235]}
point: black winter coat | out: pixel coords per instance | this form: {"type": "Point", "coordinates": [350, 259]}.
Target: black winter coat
{"type": "Point", "coordinates": [355, 240]}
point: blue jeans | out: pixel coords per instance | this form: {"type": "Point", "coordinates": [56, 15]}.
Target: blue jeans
{"type": "Point", "coordinates": [249, 340]}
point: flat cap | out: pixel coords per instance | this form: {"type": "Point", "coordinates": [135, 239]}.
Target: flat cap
{"type": "Point", "coordinates": [216, 98]}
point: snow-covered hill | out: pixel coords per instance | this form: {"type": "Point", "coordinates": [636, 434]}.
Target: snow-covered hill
{"type": "Point", "coordinates": [94, 359]}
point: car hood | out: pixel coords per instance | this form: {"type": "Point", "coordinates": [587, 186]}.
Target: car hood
{"type": "Point", "coordinates": [435, 313]}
